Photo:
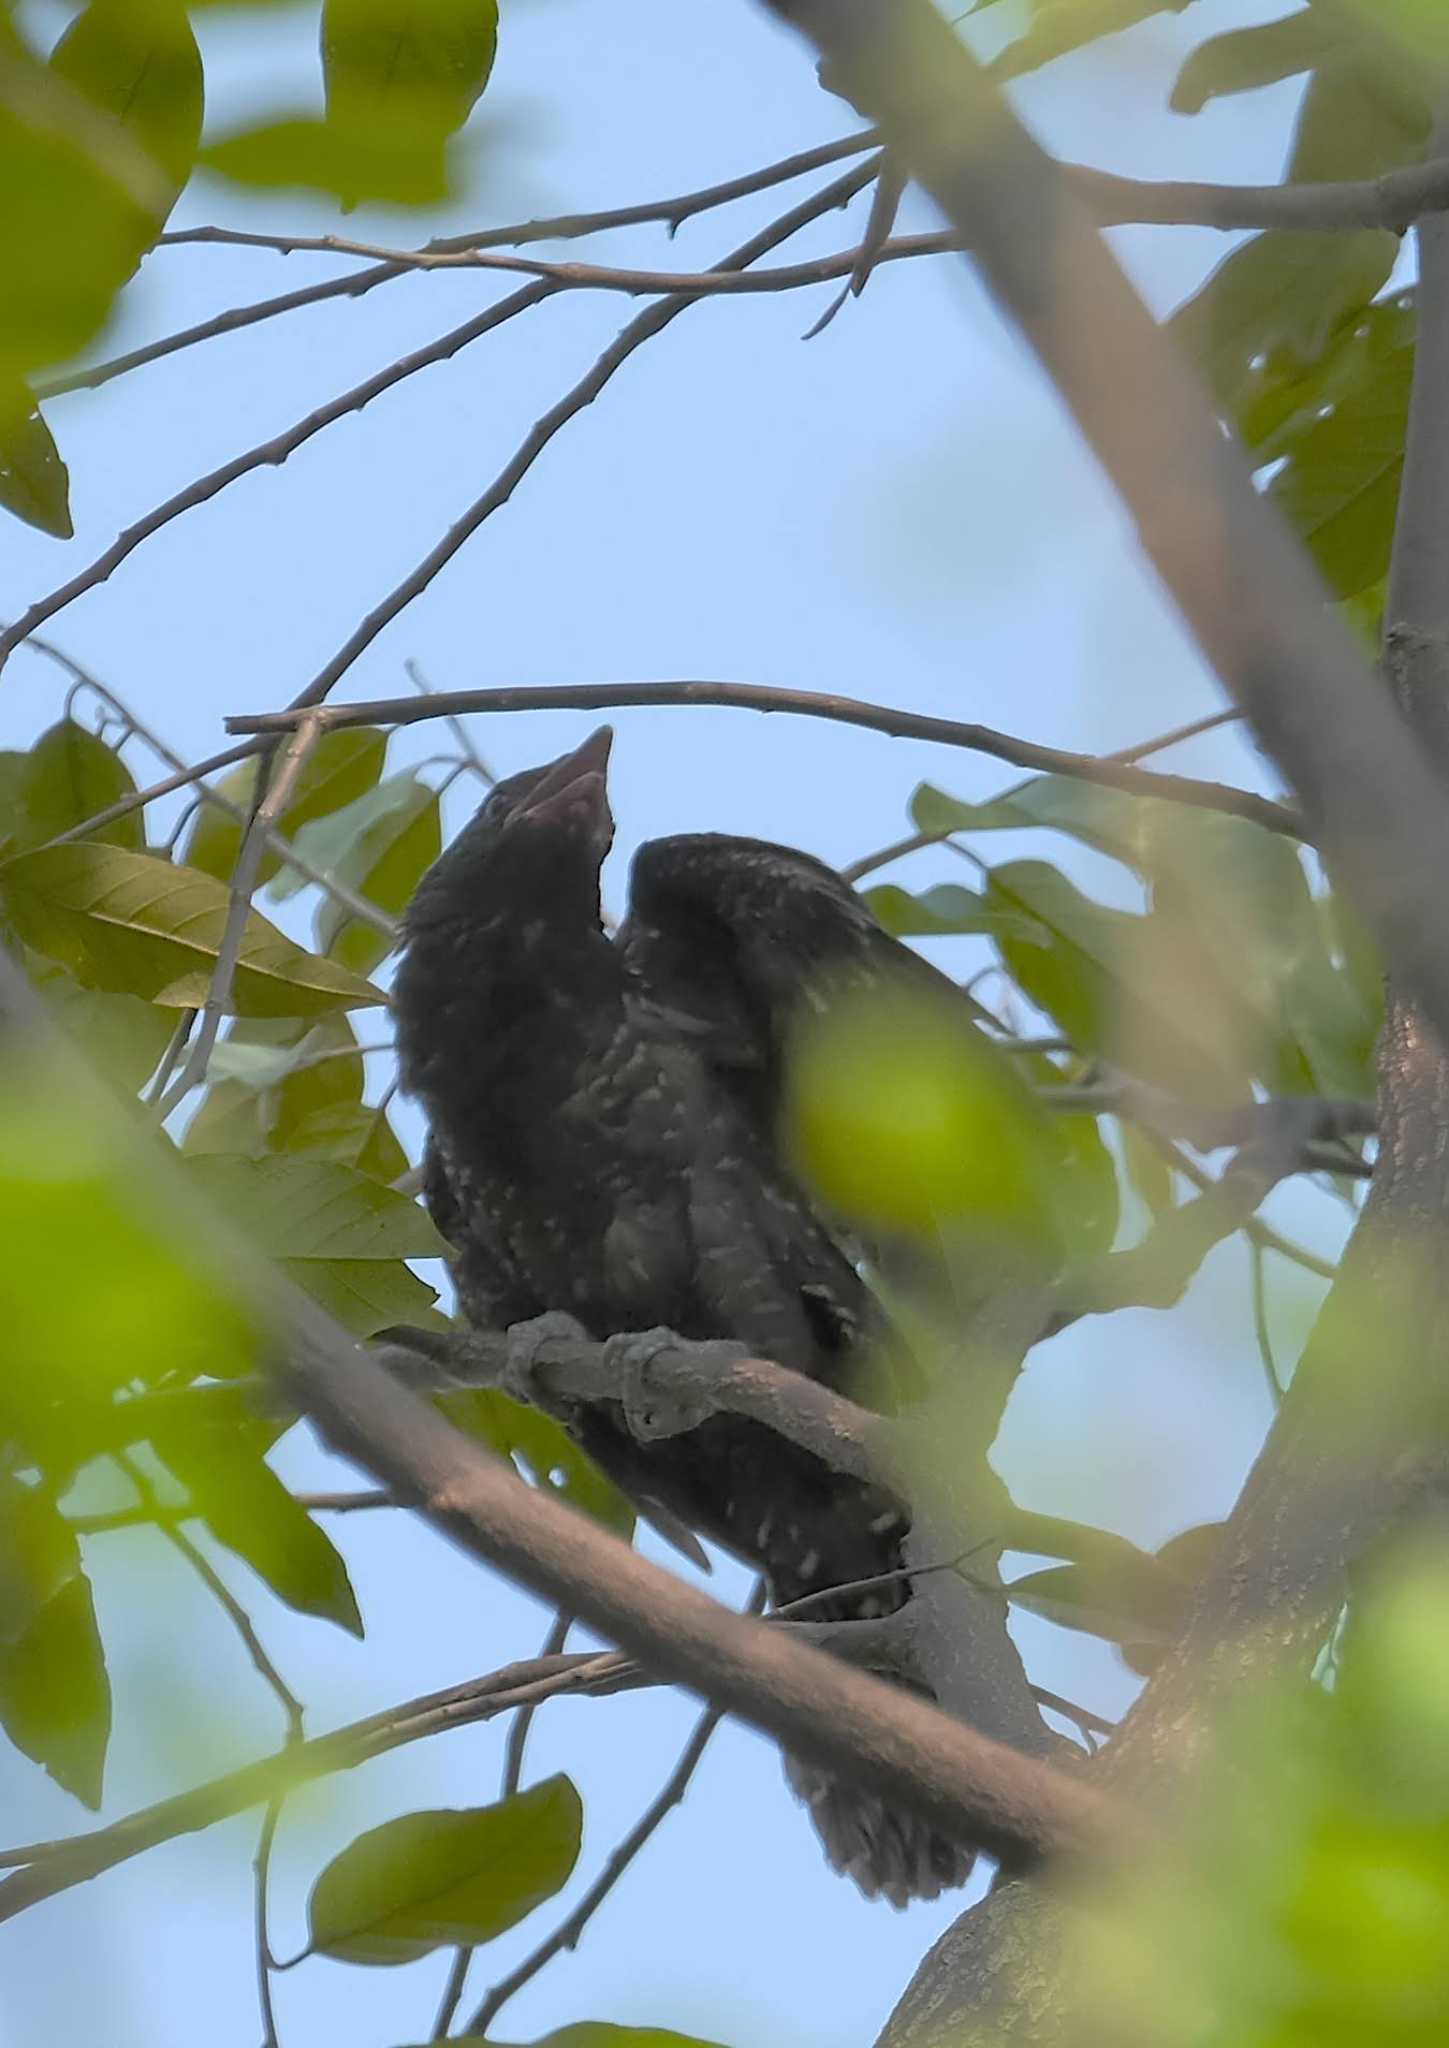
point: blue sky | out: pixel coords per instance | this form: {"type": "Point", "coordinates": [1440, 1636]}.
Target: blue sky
{"type": "Point", "coordinates": [898, 510]}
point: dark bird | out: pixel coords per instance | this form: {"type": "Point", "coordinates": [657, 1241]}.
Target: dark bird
{"type": "Point", "coordinates": [598, 1148]}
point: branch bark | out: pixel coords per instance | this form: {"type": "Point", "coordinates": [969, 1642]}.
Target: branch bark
{"type": "Point", "coordinates": [1241, 580]}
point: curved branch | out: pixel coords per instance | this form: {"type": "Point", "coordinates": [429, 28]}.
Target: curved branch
{"type": "Point", "coordinates": [883, 718]}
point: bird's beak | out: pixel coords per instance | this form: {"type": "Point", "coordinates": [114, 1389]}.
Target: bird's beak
{"type": "Point", "coordinates": [574, 785]}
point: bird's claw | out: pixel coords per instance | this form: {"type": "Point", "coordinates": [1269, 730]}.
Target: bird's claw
{"type": "Point", "coordinates": [649, 1411]}
{"type": "Point", "coordinates": [526, 1345]}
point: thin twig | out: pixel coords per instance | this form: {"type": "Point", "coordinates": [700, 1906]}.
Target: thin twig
{"type": "Point", "coordinates": [767, 697]}
{"type": "Point", "coordinates": [456, 727]}
{"type": "Point", "coordinates": [272, 795]}
{"type": "Point", "coordinates": [1261, 1331]}
{"type": "Point", "coordinates": [1175, 738]}
{"type": "Point", "coordinates": [240, 1620]}
{"type": "Point", "coordinates": [569, 1930]}
{"type": "Point", "coordinates": [671, 212]}
{"type": "Point", "coordinates": [266, 1961]}
{"type": "Point", "coordinates": [175, 1046]}
{"type": "Point", "coordinates": [653, 320]}
{"type": "Point", "coordinates": [274, 451]}
{"type": "Point", "coordinates": [513, 1755]}
{"type": "Point", "coordinates": [187, 1511]}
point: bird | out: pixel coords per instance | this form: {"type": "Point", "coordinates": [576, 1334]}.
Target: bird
{"type": "Point", "coordinates": [597, 1147]}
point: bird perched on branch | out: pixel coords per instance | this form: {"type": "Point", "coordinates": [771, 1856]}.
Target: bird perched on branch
{"type": "Point", "coordinates": [601, 1146]}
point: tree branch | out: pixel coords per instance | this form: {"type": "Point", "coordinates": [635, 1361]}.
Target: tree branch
{"type": "Point", "coordinates": [672, 213]}
{"type": "Point", "coordinates": [767, 697]}
{"type": "Point", "coordinates": [1242, 581]}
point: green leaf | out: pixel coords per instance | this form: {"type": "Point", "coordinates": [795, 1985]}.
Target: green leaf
{"type": "Point", "coordinates": [351, 163]}
{"type": "Point", "coordinates": [55, 1700]}
{"type": "Point", "coordinates": [543, 1449]}
{"type": "Point", "coordinates": [1275, 304]}
{"type": "Point", "coordinates": [34, 481]}
{"type": "Point", "coordinates": [72, 776]}
{"type": "Point", "coordinates": [81, 205]}
{"type": "Point", "coordinates": [603, 2034]}
{"type": "Point", "coordinates": [55, 1697]}
{"type": "Point", "coordinates": [390, 843]}
{"type": "Point", "coordinates": [138, 59]}
{"type": "Point", "coordinates": [143, 1309]}
{"type": "Point", "coordinates": [1364, 113]}
{"type": "Point", "coordinates": [139, 925]}
{"type": "Point", "coordinates": [339, 769]}
{"type": "Point", "coordinates": [1119, 986]}
{"type": "Point", "coordinates": [943, 911]}
{"type": "Point", "coordinates": [339, 1234]}
{"type": "Point", "coordinates": [1339, 484]}
{"type": "Point", "coordinates": [1246, 58]}
{"type": "Point", "coordinates": [1060, 26]}
{"type": "Point", "coordinates": [301, 1209]}
{"type": "Point", "coordinates": [246, 1507]}
{"type": "Point", "coordinates": [120, 1037]}
{"type": "Point", "coordinates": [366, 1295]}
{"type": "Point", "coordinates": [446, 1878]}
{"type": "Point", "coordinates": [419, 66]}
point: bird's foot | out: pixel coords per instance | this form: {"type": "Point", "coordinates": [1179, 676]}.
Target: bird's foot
{"type": "Point", "coordinates": [653, 1409]}
{"type": "Point", "coordinates": [525, 1360]}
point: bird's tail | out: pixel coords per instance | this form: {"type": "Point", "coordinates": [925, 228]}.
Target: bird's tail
{"type": "Point", "coordinates": [891, 1854]}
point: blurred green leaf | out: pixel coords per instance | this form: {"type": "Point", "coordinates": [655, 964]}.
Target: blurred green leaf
{"type": "Point", "coordinates": [417, 64]}
{"type": "Point", "coordinates": [339, 769]}
{"type": "Point", "coordinates": [446, 1878]}
{"type": "Point", "coordinates": [947, 909]}
{"type": "Point", "coordinates": [351, 163]}
{"type": "Point", "coordinates": [141, 926]}
{"type": "Point", "coordinates": [55, 1697]}
{"type": "Point", "coordinates": [386, 846]}
{"type": "Point", "coordinates": [138, 60]}
{"type": "Point", "coordinates": [903, 1116]}
{"type": "Point", "coordinates": [142, 1310]}
{"type": "Point", "coordinates": [82, 200]}
{"type": "Point", "coordinates": [602, 2033]}
{"type": "Point", "coordinates": [1364, 113]}
{"type": "Point", "coordinates": [1246, 58]}
{"type": "Point", "coordinates": [71, 776]}
{"type": "Point", "coordinates": [1057, 27]}
{"type": "Point", "coordinates": [34, 481]}
{"type": "Point", "coordinates": [366, 1295]}
{"type": "Point", "coordinates": [543, 1448]}
{"type": "Point", "coordinates": [120, 1037]}
{"type": "Point", "coordinates": [246, 1507]}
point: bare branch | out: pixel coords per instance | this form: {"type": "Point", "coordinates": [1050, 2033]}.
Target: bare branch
{"type": "Point", "coordinates": [566, 1934]}
{"type": "Point", "coordinates": [766, 697]}
{"type": "Point", "coordinates": [671, 212]}
{"type": "Point", "coordinates": [273, 451]}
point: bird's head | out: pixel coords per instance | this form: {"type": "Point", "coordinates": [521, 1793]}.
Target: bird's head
{"type": "Point", "coordinates": [534, 847]}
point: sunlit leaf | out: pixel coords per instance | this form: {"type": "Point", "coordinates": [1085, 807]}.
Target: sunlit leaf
{"type": "Point", "coordinates": [1364, 113]}
{"type": "Point", "coordinates": [34, 481]}
{"type": "Point", "coordinates": [72, 776]}
{"type": "Point", "coordinates": [420, 65]}
{"type": "Point", "coordinates": [143, 1309]}
{"type": "Point", "coordinates": [904, 1117]}
{"type": "Point", "coordinates": [351, 163]}
{"type": "Point", "coordinates": [247, 1508]}
{"type": "Point", "coordinates": [139, 61]}
{"type": "Point", "coordinates": [339, 769]}
{"type": "Point", "coordinates": [366, 1295]}
{"type": "Point", "coordinates": [444, 1878]}
{"type": "Point", "coordinates": [82, 199]}
{"type": "Point", "coordinates": [130, 922]}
